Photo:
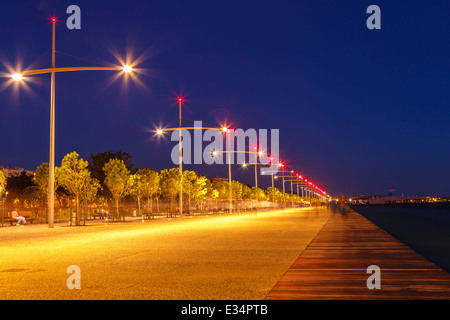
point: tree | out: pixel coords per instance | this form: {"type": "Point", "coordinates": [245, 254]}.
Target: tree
{"type": "Point", "coordinates": [170, 185]}
{"type": "Point", "coordinates": [97, 163]}
{"type": "Point", "coordinates": [274, 194]}
{"type": "Point", "coordinates": [211, 192]}
{"type": "Point", "coordinates": [37, 200]}
{"type": "Point", "coordinates": [75, 177]}
{"type": "Point", "coordinates": [119, 181]}
{"type": "Point", "coordinates": [188, 180]}
{"type": "Point", "coordinates": [222, 189]}
{"type": "Point", "coordinates": [199, 190]}
{"type": "Point", "coordinates": [137, 189]}
{"type": "Point", "coordinates": [41, 178]}
{"type": "Point", "coordinates": [150, 185]}
{"type": "Point", "coordinates": [18, 183]}
{"type": "Point", "coordinates": [89, 193]}
{"type": "Point", "coordinates": [236, 190]}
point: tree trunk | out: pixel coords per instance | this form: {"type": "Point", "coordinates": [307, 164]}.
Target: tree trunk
{"type": "Point", "coordinates": [77, 209]}
{"type": "Point", "coordinates": [116, 214]}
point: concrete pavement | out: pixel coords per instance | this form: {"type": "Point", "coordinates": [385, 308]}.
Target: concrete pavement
{"type": "Point", "coordinates": [240, 256]}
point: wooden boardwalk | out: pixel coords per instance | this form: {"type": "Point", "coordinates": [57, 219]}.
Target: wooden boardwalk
{"type": "Point", "coordinates": [334, 266]}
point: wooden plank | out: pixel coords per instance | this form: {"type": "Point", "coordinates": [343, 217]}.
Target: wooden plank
{"type": "Point", "coordinates": [334, 266]}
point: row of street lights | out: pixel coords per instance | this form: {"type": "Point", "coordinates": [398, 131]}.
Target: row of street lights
{"type": "Point", "coordinates": [310, 189]}
{"type": "Point", "coordinates": [20, 76]}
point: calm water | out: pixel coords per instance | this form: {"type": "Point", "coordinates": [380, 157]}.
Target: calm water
{"type": "Point", "coordinates": [424, 228]}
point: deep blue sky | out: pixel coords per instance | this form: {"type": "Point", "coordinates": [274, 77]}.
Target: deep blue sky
{"type": "Point", "coordinates": [362, 111]}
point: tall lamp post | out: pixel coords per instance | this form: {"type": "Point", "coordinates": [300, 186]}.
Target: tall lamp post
{"type": "Point", "coordinates": [227, 132]}
{"type": "Point", "coordinates": [180, 100]}
{"type": "Point", "coordinates": [52, 71]}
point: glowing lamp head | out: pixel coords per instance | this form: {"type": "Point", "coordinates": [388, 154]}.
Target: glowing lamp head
{"type": "Point", "coordinates": [159, 131]}
{"type": "Point", "coordinates": [224, 129]}
{"type": "Point", "coordinates": [127, 68]}
{"type": "Point", "coordinates": [214, 153]}
{"type": "Point", "coordinates": [17, 76]}
{"type": "Point", "coordinates": [244, 165]}
{"type": "Point", "coordinates": [53, 19]}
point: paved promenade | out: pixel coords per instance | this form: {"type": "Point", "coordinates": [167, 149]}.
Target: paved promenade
{"type": "Point", "coordinates": [334, 266]}
{"type": "Point", "coordinates": [239, 256]}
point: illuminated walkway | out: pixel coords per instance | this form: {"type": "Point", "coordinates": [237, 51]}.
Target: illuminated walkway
{"type": "Point", "coordinates": [334, 266]}
{"type": "Point", "coordinates": [239, 256]}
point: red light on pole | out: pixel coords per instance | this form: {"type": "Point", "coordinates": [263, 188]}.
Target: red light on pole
{"type": "Point", "coordinates": [180, 99]}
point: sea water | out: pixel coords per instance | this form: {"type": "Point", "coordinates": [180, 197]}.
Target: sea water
{"type": "Point", "coordinates": [425, 228]}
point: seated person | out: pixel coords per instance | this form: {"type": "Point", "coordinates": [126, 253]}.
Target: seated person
{"type": "Point", "coordinates": [104, 213]}
{"type": "Point", "coordinates": [20, 220]}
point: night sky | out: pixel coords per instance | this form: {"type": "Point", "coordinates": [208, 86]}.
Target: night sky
{"type": "Point", "coordinates": [359, 111]}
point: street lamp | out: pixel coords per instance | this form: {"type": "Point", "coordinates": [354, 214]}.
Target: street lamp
{"type": "Point", "coordinates": [17, 76]}
{"type": "Point", "coordinates": [52, 71]}
{"type": "Point", "coordinates": [127, 68]}
{"type": "Point", "coordinates": [180, 128]}
{"type": "Point", "coordinates": [180, 101]}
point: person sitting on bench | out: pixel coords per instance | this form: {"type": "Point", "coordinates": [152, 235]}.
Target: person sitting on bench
{"type": "Point", "coordinates": [104, 213]}
{"type": "Point", "coordinates": [20, 220]}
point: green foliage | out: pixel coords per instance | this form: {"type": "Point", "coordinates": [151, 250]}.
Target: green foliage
{"type": "Point", "coordinates": [17, 183]}
{"type": "Point", "coordinates": [77, 178]}
{"type": "Point", "coordinates": [222, 189]}
{"type": "Point", "coordinates": [73, 174]}
{"type": "Point", "coordinates": [89, 193]}
{"type": "Point", "coordinates": [118, 179]}
{"type": "Point", "coordinates": [97, 163]}
{"type": "Point", "coordinates": [41, 177]}
{"type": "Point", "coordinates": [145, 183]}
{"type": "Point", "coordinates": [170, 183]}
{"type": "Point", "coordinates": [150, 182]}
{"type": "Point", "coordinates": [211, 192]}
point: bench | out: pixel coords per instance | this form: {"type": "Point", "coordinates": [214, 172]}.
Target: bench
{"type": "Point", "coordinates": [147, 216]}
{"type": "Point", "coordinates": [99, 215]}
{"type": "Point", "coordinates": [25, 214]}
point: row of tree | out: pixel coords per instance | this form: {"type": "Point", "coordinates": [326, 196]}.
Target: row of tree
{"type": "Point", "coordinates": [111, 176]}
